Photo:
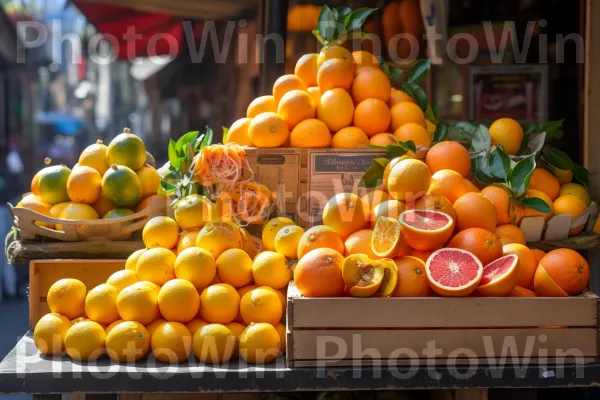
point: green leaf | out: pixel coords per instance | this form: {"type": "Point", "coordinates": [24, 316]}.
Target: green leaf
{"type": "Point", "coordinates": [441, 132]}
{"type": "Point", "coordinates": [356, 19]}
{"type": "Point", "coordinates": [184, 140]}
{"type": "Point", "coordinates": [173, 157]}
{"type": "Point", "coordinates": [582, 176]}
{"type": "Point", "coordinates": [207, 139]}
{"type": "Point", "coordinates": [519, 176]}
{"type": "Point", "coordinates": [481, 170]}
{"type": "Point", "coordinates": [462, 131]}
{"type": "Point", "coordinates": [341, 13]}
{"type": "Point", "coordinates": [558, 158]}
{"type": "Point", "coordinates": [481, 140]}
{"type": "Point", "coordinates": [499, 163]}
{"type": "Point", "coordinates": [381, 161]}
{"type": "Point", "coordinates": [411, 145]}
{"type": "Point", "coordinates": [326, 24]}
{"type": "Point", "coordinates": [167, 186]}
{"type": "Point", "coordinates": [320, 38]}
{"type": "Point", "coordinates": [419, 71]}
{"type": "Point", "coordinates": [225, 133]}
{"type": "Point", "coordinates": [372, 176]}
{"type": "Point", "coordinates": [396, 150]}
{"type": "Point", "coordinates": [553, 129]}
{"type": "Point", "coordinates": [535, 203]}
{"type": "Point", "coordinates": [416, 92]}
{"type": "Point", "coordinates": [529, 127]}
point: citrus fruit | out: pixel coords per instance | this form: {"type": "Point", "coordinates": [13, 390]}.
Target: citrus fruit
{"type": "Point", "coordinates": [403, 113]}
{"type": "Point", "coordinates": [151, 327]}
{"type": "Point", "coordinates": [576, 190]}
{"type": "Point", "coordinates": [216, 237]}
{"type": "Point", "coordinates": [281, 330]}
{"type": "Point", "coordinates": [392, 164]}
{"type": "Point", "coordinates": [426, 229]}
{"type": "Point", "coordinates": [261, 105]}
{"type": "Point", "coordinates": [508, 133]}
{"type": "Point", "coordinates": [572, 205]}
{"type": "Point", "coordinates": [271, 269]}
{"type": "Point", "coordinates": [387, 240]}
{"type": "Point", "coordinates": [126, 149]}
{"type": "Point", "coordinates": [121, 279]}
{"type": "Point", "coordinates": [335, 73]}
{"type": "Point", "coordinates": [372, 116]}
{"type": "Point", "coordinates": [564, 176]}
{"type": "Point", "coordinates": [270, 230]}
{"type": "Point", "coordinates": [364, 59]}
{"type": "Point", "coordinates": [471, 186]}
{"type": "Point", "coordinates": [84, 185]}
{"type": "Point", "coordinates": [286, 241]}
{"type": "Point", "coordinates": [49, 334]}
{"type": "Point", "coordinates": [422, 255]}
{"type": "Point", "coordinates": [543, 181]}
{"type": "Point", "coordinates": [56, 209]}
{"type": "Point", "coordinates": [508, 210]}
{"type": "Point", "coordinates": [103, 205]}
{"type": "Point", "coordinates": [150, 180]}
{"type": "Point", "coordinates": [374, 198]}
{"type": "Point", "coordinates": [330, 52]}
{"type": "Point", "coordinates": [412, 278]}
{"type": "Point", "coordinates": [306, 69]}
{"type": "Point", "coordinates": [345, 213]}
{"type": "Point", "coordinates": [449, 155]}
{"type": "Point", "coordinates": [335, 109]}
{"type": "Point", "coordinates": [453, 272]}
{"type": "Point", "coordinates": [131, 262]}
{"type": "Point", "coordinates": [319, 274]}
{"type": "Point", "coordinates": [518, 291]}
{"type": "Point", "coordinates": [138, 302]}
{"type": "Point", "coordinates": [362, 276]}
{"type": "Point", "coordinates": [151, 285]}
{"type": "Point", "coordinates": [530, 212]}
{"type": "Point", "coordinates": [95, 156]}
{"type": "Point", "coordinates": [112, 325]}
{"type": "Point", "coordinates": [52, 186]}
{"type": "Point", "coordinates": [85, 341]}
{"type": "Point", "coordinates": [350, 137]}
{"type": "Point", "coordinates": [187, 239]}
{"type": "Point", "coordinates": [78, 212]}
{"type": "Point", "coordinates": [196, 266]}
{"type": "Point", "coordinates": [121, 186]}
{"type": "Point", "coordinates": [371, 83]}
{"type": "Point", "coordinates": [101, 304]}
{"type": "Point", "coordinates": [389, 208]}
{"type": "Point", "coordinates": [316, 237]}
{"type": "Point", "coordinates": [311, 133]}
{"type": "Point", "coordinates": [195, 325]}
{"type": "Point", "coordinates": [156, 265]}
{"type": "Point", "coordinates": [214, 343]}
{"type": "Point", "coordinates": [435, 203]}
{"type": "Point", "coordinates": [118, 213]}
{"type": "Point", "coordinates": [315, 93]}
{"type": "Point", "coordinates": [268, 130]}
{"type": "Point", "coordinates": [545, 286]}
{"type": "Point", "coordinates": [415, 132]}
{"type": "Point", "coordinates": [67, 297]}
{"type": "Point", "coordinates": [178, 300]}
{"type": "Point", "coordinates": [474, 210]}
{"type": "Point", "coordinates": [234, 266]}
{"type": "Point", "coordinates": [35, 183]}
{"type": "Point", "coordinates": [150, 160]}
{"type": "Point", "coordinates": [484, 244]}
{"type": "Point", "coordinates": [259, 343]}
{"type": "Point", "coordinates": [171, 342]}
{"type": "Point", "coordinates": [36, 204]}
{"type": "Point", "coordinates": [296, 106]}
{"type": "Point", "coordinates": [448, 183]}
{"type": "Point", "coordinates": [409, 180]}
{"type": "Point", "coordinates": [161, 232]}
{"type": "Point", "coordinates": [359, 242]}
{"type": "Point", "coordinates": [238, 132]}
{"type": "Point", "coordinates": [398, 96]}
{"type": "Point", "coordinates": [128, 342]}
{"type": "Point", "coordinates": [564, 267]}
{"type": "Point", "coordinates": [284, 84]}
{"type": "Point", "coordinates": [79, 319]}
{"type": "Point", "coordinates": [383, 139]}
{"type": "Point", "coordinates": [539, 254]}
{"type": "Point", "coordinates": [510, 233]}
{"type": "Point", "coordinates": [261, 305]}
{"type": "Point", "coordinates": [192, 212]}
{"type": "Point", "coordinates": [219, 304]}
{"type": "Point", "coordinates": [527, 263]}
{"type": "Point", "coordinates": [499, 277]}
{"type": "Point", "coordinates": [243, 290]}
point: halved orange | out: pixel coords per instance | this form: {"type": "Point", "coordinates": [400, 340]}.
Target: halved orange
{"type": "Point", "coordinates": [544, 285]}
{"type": "Point", "coordinates": [362, 276]}
{"type": "Point", "coordinates": [426, 229]}
{"type": "Point", "coordinates": [499, 277]}
{"type": "Point", "coordinates": [387, 240]}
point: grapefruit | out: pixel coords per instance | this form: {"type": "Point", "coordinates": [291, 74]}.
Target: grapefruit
{"type": "Point", "coordinates": [499, 277]}
{"type": "Point", "coordinates": [426, 229]}
{"type": "Point", "coordinates": [453, 272]}
{"type": "Point", "coordinates": [527, 263]}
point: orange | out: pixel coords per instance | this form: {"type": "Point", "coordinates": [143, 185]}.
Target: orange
{"type": "Point", "coordinates": [315, 93]}
{"type": "Point", "coordinates": [84, 185]}
{"type": "Point", "coordinates": [261, 305]}
{"type": "Point", "coordinates": [387, 240]}
{"type": "Point", "coordinates": [178, 300]}
{"type": "Point", "coordinates": [261, 105]}
{"type": "Point", "coordinates": [286, 241]}
{"type": "Point", "coordinates": [371, 83]}
{"type": "Point", "coordinates": [132, 260]}
{"type": "Point", "coordinates": [577, 190]}
{"type": "Point", "coordinates": [527, 263]}
{"type": "Point", "coordinates": [403, 113]}
{"type": "Point", "coordinates": [271, 229]}
{"type": "Point", "coordinates": [238, 132]}
{"type": "Point", "coordinates": [271, 269]}
{"type": "Point", "coordinates": [470, 186]}
{"type": "Point", "coordinates": [319, 236]}
{"type": "Point", "coordinates": [572, 205]}
{"type": "Point", "coordinates": [195, 265]}
{"type": "Point", "coordinates": [374, 198]}
{"type": "Point", "coordinates": [156, 265]}
{"type": "Point", "coordinates": [398, 96]}
{"type": "Point", "coordinates": [335, 73]}
{"type": "Point", "coordinates": [150, 180]}
{"type": "Point", "coordinates": [544, 285]}
{"type": "Point", "coordinates": [121, 279]}
{"type": "Point", "coordinates": [544, 181]}
{"type": "Point", "coordinates": [508, 133]}
{"type": "Point", "coordinates": [383, 139]}
{"type": "Point", "coordinates": [171, 342]}
{"type": "Point", "coordinates": [415, 132]}
{"type": "Point", "coordinates": [296, 106]}
{"type": "Point", "coordinates": [485, 245]}
{"type": "Point", "coordinates": [284, 84]}
{"type": "Point", "coordinates": [412, 278]}
{"type": "Point", "coordinates": [103, 205]}
{"type": "Point", "coordinates": [335, 109]}
{"type": "Point", "coordinates": [219, 304]}
{"type": "Point", "coordinates": [38, 206]}
{"type": "Point", "coordinates": [92, 156]}
{"type": "Point", "coordinates": [509, 233]}
{"type": "Point", "coordinates": [422, 255]}
{"type": "Point", "coordinates": [435, 203]}
{"type": "Point", "coordinates": [306, 69]}
{"type": "Point", "coordinates": [214, 343]}
{"type": "Point", "coordinates": [319, 274]}
{"type": "Point", "coordinates": [52, 185]}
{"type": "Point", "coordinates": [392, 164]}
{"type": "Point", "coordinates": [449, 155]}
{"type": "Point", "coordinates": [408, 180]}
{"type": "Point", "coordinates": [364, 59]}
{"type": "Point", "coordinates": [426, 229]}
{"type": "Point", "coordinates": [448, 183]}
{"type": "Point", "coordinates": [234, 266]}
{"type": "Point", "coordinates": [345, 213]}
{"type": "Point", "coordinates": [567, 269]}
{"type": "Point", "coordinates": [349, 138]}
{"type": "Point", "coordinates": [330, 52]}
{"type": "Point", "coordinates": [161, 232]}
{"type": "Point", "coordinates": [372, 116]}
{"type": "Point", "coordinates": [127, 342]}
{"type": "Point", "coordinates": [85, 341]}
{"type": "Point", "coordinates": [259, 343]}
{"type": "Point", "coordinates": [49, 334]}
{"type": "Point", "coordinates": [138, 302]}
{"type": "Point", "coordinates": [151, 327]}
{"type": "Point", "coordinates": [474, 210]}
{"type": "Point", "coordinates": [359, 242]}
{"type": "Point", "coordinates": [507, 209]}
{"type": "Point", "coordinates": [518, 291]}
{"type": "Point", "coordinates": [268, 130]}
{"type": "Point", "coordinates": [311, 133]}
{"type": "Point", "coordinates": [67, 297]}
{"type": "Point", "coordinates": [539, 254]}
{"type": "Point", "coordinates": [389, 208]}
{"type": "Point", "coordinates": [362, 276]}
{"type": "Point", "coordinates": [499, 277]}
{"type": "Point", "coordinates": [187, 239]}
{"type": "Point", "coordinates": [530, 212]}
{"type": "Point", "coordinates": [195, 325]}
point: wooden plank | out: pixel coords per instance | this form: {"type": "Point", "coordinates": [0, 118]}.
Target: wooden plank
{"type": "Point", "coordinates": [442, 343]}
{"type": "Point", "coordinates": [439, 362]}
{"type": "Point", "coordinates": [24, 251]}
{"type": "Point", "coordinates": [471, 394]}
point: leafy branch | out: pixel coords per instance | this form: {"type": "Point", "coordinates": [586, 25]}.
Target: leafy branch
{"type": "Point", "coordinates": [335, 25]}
{"type": "Point", "coordinates": [374, 174]}
{"type": "Point", "coordinates": [553, 159]}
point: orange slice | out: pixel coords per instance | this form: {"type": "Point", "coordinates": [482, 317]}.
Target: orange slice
{"type": "Point", "coordinates": [499, 277]}
{"type": "Point", "coordinates": [387, 240]}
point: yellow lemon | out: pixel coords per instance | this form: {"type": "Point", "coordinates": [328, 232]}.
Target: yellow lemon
{"type": "Point", "coordinates": [128, 342]}
{"type": "Point", "coordinates": [218, 237]}
{"type": "Point", "coordinates": [576, 190]}
{"type": "Point", "coordinates": [95, 156]}
{"type": "Point", "coordinates": [101, 304]}
{"type": "Point", "coordinates": [197, 266]}
{"type": "Point", "coordinates": [271, 229]}
{"type": "Point", "coordinates": [270, 269]}
{"type": "Point", "coordinates": [287, 239]}
{"type": "Point", "coordinates": [234, 266]}
{"type": "Point", "coordinates": [193, 211]}
{"type": "Point", "coordinates": [150, 180]}
{"type": "Point", "coordinates": [161, 232]}
{"type": "Point", "coordinates": [67, 297]}
{"type": "Point", "coordinates": [85, 341]}
{"type": "Point", "coordinates": [49, 334]}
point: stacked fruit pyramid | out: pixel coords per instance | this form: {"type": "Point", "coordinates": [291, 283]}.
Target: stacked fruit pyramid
{"type": "Point", "coordinates": [108, 182]}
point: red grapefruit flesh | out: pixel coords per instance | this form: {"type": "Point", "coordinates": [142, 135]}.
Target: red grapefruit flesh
{"type": "Point", "coordinates": [453, 272]}
{"type": "Point", "coordinates": [426, 229]}
{"type": "Point", "coordinates": [499, 277]}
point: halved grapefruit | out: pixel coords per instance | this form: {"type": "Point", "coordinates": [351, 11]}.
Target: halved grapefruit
{"type": "Point", "coordinates": [499, 277]}
{"type": "Point", "coordinates": [453, 272]}
{"type": "Point", "coordinates": [387, 240]}
{"type": "Point", "coordinates": [426, 229]}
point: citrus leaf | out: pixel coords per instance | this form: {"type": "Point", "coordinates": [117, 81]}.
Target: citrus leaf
{"type": "Point", "coordinates": [326, 23]}
{"type": "Point", "coordinates": [341, 13]}
{"type": "Point", "coordinates": [372, 176]}
{"type": "Point", "coordinates": [535, 203]}
{"type": "Point", "coordinates": [419, 71]}
{"type": "Point", "coordinates": [481, 170]}
{"type": "Point", "coordinates": [481, 140]}
{"type": "Point", "coordinates": [225, 133]}
{"type": "Point", "coordinates": [582, 176]}
{"type": "Point", "coordinates": [167, 186]}
{"type": "Point", "coordinates": [441, 131]}
{"type": "Point", "coordinates": [519, 176]}
{"type": "Point", "coordinates": [553, 129]}
{"type": "Point", "coordinates": [558, 158]}
{"type": "Point", "coordinates": [381, 161]}
{"type": "Point", "coordinates": [316, 33]}
{"type": "Point", "coordinates": [186, 138]}
{"type": "Point", "coordinates": [499, 163]}
{"type": "Point", "coordinates": [396, 150]}
{"type": "Point", "coordinates": [411, 145]}
{"type": "Point", "coordinates": [172, 151]}
{"type": "Point", "coordinates": [416, 92]}
{"type": "Point", "coordinates": [462, 131]}
{"type": "Point", "coordinates": [356, 19]}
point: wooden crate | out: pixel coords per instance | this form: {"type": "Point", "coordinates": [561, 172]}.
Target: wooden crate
{"type": "Point", "coordinates": [43, 273]}
{"type": "Point", "coordinates": [402, 331]}
{"type": "Point", "coordinates": [557, 228]}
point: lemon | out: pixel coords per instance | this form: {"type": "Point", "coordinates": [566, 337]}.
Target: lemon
{"type": "Point", "coordinates": [270, 269]}
{"type": "Point", "coordinates": [67, 297]}
{"type": "Point", "coordinates": [156, 265]}
{"type": "Point", "coordinates": [259, 343]}
{"type": "Point", "coordinates": [101, 304]}
{"type": "Point", "coordinates": [197, 266]}
{"type": "Point", "coordinates": [178, 300]}
{"type": "Point", "coordinates": [234, 267]}
{"type": "Point", "coordinates": [161, 232]}
{"type": "Point", "coordinates": [214, 343]}
{"type": "Point", "coordinates": [49, 334]}
{"type": "Point", "coordinates": [218, 237]}
{"type": "Point", "coordinates": [127, 342]}
{"type": "Point", "coordinates": [171, 342]}
{"type": "Point", "coordinates": [563, 175]}
{"type": "Point", "coordinates": [85, 341]}
{"type": "Point", "coordinates": [287, 239]}
{"type": "Point", "coordinates": [271, 229]}
{"type": "Point", "coordinates": [150, 180]}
